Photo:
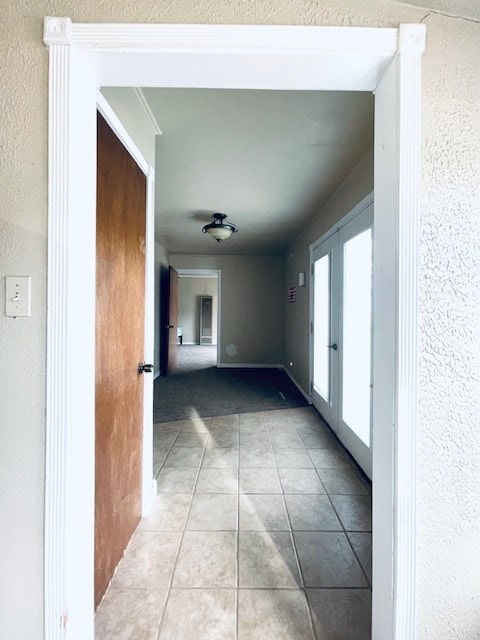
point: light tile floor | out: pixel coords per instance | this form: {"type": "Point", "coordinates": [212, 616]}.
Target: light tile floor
{"type": "Point", "coordinates": [261, 530]}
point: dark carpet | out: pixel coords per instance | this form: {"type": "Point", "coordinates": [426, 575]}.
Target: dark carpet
{"type": "Point", "coordinates": [198, 389]}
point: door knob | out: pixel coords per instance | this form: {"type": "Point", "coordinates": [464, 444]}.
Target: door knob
{"type": "Point", "coordinates": [145, 368]}
{"type": "Point", "coordinates": [332, 346]}
{"type": "Point", "coordinates": [170, 326]}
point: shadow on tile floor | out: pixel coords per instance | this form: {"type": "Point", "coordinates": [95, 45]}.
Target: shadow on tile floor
{"type": "Point", "coordinates": [261, 529]}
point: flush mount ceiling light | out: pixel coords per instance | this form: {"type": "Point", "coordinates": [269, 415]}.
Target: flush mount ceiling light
{"type": "Point", "coordinates": [219, 229]}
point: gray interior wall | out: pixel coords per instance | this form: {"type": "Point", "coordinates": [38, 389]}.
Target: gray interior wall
{"type": "Point", "coordinates": [448, 537]}
{"type": "Point", "coordinates": [252, 305]}
{"type": "Point", "coordinates": [190, 289]}
{"type": "Point", "coordinates": [161, 281]}
{"type": "Point", "coordinates": [297, 315]}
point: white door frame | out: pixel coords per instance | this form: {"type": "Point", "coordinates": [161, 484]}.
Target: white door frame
{"type": "Point", "coordinates": [357, 210]}
{"type": "Point", "coordinates": [328, 408]}
{"type": "Point", "coordinates": [209, 273]}
{"type": "Point", "coordinates": [86, 56]}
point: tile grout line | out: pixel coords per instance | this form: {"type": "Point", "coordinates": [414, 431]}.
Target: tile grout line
{"type": "Point", "coordinates": [350, 543]}
{"type": "Point", "coordinates": [170, 582]}
{"type": "Point", "coordinates": [340, 519]}
{"type": "Point", "coordinates": [261, 422]}
{"type": "Point", "coordinates": [137, 527]}
{"type": "Point", "coordinates": [162, 466]}
{"type": "Point", "coordinates": [294, 546]}
{"type": "Point", "coordinates": [208, 441]}
{"type": "Point", "coordinates": [341, 523]}
{"type": "Point", "coordinates": [328, 494]}
{"type": "Point", "coordinates": [238, 588]}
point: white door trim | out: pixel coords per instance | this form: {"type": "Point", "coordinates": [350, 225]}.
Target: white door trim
{"type": "Point", "coordinates": [328, 408]}
{"type": "Point", "coordinates": [209, 273]}
{"type": "Point", "coordinates": [86, 56]}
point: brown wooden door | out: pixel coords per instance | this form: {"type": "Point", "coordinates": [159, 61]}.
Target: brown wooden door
{"type": "Point", "coordinates": [172, 320]}
{"type": "Point", "coordinates": [120, 326]}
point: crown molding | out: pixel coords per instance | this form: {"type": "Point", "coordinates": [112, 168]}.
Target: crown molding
{"type": "Point", "coordinates": [142, 99]}
{"type": "Point", "coordinates": [122, 134]}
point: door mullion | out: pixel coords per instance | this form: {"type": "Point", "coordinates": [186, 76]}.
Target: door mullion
{"type": "Point", "coordinates": [335, 354]}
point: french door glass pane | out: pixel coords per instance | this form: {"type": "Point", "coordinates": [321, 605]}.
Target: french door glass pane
{"type": "Point", "coordinates": [321, 364]}
{"type": "Point", "coordinates": [357, 319]}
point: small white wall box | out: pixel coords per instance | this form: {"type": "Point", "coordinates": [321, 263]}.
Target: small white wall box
{"type": "Point", "coordinates": [17, 296]}
{"type": "Point", "coordinates": [301, 279]}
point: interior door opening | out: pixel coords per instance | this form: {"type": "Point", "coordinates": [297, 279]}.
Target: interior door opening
{"type": "Point", "coordinates": [193, 332]}
{"type": "Point", "coordinates": [73, 87]}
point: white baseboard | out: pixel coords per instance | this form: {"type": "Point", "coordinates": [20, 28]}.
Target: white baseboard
{"type": "Point", "coordinates": [247, 365]}
{"type": "Point", "coordinates": [147, 504]}
{"type": "Point", "coordinates": [307, 397]}
{"type": "Point", "coordinates": [156, 375]}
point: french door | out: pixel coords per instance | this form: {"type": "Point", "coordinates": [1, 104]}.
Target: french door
{"type": "Point", "coordinates": [342, 326]}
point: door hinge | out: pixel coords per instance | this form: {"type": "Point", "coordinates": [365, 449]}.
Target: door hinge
{"type": "Point", "coordinates": [311, 327]}
{"type": "Point", "coordinates": [311, 269]}
{"type": "Point", "coordinates": [311, 386]}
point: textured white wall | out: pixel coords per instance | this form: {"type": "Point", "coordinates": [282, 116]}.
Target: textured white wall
{"type": "Point", "coordinates": [465, 8]}
{"type": "Point", "coordinates": [449, 393]}
{"type": "Point", "coordinates": [449, 446]}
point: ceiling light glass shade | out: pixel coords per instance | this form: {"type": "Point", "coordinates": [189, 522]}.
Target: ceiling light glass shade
{"type": "Point", "coordinates": [219, 229]}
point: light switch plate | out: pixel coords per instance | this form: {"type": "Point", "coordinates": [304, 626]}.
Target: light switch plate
{"type": "Point", "coordinates": [17, 296]}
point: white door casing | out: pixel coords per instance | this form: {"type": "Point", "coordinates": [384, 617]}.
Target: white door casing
{"type": "Point", "coordinates": [325, 399]}
{"type": "Point", "coordinates": [209, 273]}
{"type": "Point", "coordinates": [84, 57]}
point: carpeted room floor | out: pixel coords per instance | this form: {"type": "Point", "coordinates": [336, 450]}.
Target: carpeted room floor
{"type": "Point", "coordinates": [198, 389]}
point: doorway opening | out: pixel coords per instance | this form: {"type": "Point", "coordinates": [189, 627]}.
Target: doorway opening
{"type": "Point", "coordinates": [199, 319]}
{"type": "Point", "coordinates": [83, 57]}
{"type": "Point", "coordinates": [216, 431]}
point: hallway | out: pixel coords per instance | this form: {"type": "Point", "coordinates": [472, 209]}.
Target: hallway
{"type": "Point", "coordinates": [197, 388]}
{"type": "Point", "coordinates": [261, 530]}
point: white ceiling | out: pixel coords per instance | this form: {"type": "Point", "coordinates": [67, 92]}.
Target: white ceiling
{"type": "Point", "coordinates": [268, 159]}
